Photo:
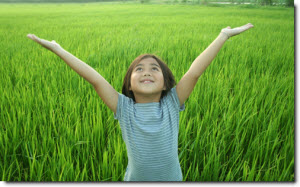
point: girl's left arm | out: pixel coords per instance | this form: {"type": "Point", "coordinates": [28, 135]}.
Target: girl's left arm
{"type": "Point", "coordinates": [187, 83]}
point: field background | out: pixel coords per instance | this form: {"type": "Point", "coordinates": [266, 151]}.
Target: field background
{"type": "Point", "coordinates": [257, 2]}
{"type": "Point", "coordinates": [238, 124]}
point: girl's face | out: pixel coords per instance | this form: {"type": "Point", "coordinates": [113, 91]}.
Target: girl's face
{"type": "Point", "coordinates": [147, 79]}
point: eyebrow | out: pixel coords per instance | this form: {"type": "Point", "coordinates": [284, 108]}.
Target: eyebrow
{"type": "Point", "coordinates": [153, 64]}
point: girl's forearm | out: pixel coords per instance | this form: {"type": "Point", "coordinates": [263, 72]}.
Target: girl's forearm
{"type": "Point", "coordinates": [206, 57]}
{"type": "Point", "coordinates": [84, 70]}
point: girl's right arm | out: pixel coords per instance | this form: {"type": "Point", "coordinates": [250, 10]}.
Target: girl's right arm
{"type": "Point", "coordinates": [106, 92]}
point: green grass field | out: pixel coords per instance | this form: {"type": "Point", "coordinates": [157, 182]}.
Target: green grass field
{"type": "Point", "coordinates": [238, 124]}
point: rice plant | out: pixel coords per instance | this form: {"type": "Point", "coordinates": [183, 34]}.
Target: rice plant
{"type": "Point", "coordinates": [238, 124]}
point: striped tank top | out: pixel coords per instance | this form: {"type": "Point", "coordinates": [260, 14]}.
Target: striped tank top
{"type": "Point", "coordinates": [150, 132]}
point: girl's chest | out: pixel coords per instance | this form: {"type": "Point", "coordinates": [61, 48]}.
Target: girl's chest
{"type": "Point", "coordinates": [148, 115]}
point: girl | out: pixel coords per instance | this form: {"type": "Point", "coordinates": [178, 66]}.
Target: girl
{"type": "Point", "coordinates": [148, 108]}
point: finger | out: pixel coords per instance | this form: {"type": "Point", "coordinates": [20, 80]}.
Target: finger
{"type": "Point", "coordinates": [245, 27]}
{"type": "Point", "coordinates": [38, 40]}
{"type": "Point", "coordinates": [248, 26]}
{"type": "Point", "coordinates": [29, 36]}
{"type": "Point", "coordinates": [33, 37]}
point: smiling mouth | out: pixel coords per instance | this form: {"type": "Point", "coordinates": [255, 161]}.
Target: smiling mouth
{"type": "Point", "coordinates": [147, 82]}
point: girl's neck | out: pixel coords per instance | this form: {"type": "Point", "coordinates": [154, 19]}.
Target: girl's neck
{"type": "Point", "coordinates": [147, 98]}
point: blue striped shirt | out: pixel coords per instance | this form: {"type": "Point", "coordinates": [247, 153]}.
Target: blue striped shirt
{"type": "Point", "coordinates": [150, 132]}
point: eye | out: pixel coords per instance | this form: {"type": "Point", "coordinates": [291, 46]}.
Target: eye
{"type": "Point", "coordinates": [137, 69]}
{"type": "Point", "coordinates": [155, 68]}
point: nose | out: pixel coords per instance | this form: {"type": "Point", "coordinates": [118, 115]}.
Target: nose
{"type": "Point", "coordinates": [146, 73]}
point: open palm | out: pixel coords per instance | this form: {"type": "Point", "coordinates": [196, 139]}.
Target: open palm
{"type": "Point", "coordinates": [235, 31]}
{"type": "Point", "coordinates": [45, 43]}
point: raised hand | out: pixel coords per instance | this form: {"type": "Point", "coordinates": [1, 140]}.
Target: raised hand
{"type": "Point", "coordinates": [47, 44]}
{"type": "Point", "coordinates": [235, 31]}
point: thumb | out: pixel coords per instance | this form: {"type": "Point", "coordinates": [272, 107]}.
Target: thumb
{"type": "Point", "coordinates": [228, 27]}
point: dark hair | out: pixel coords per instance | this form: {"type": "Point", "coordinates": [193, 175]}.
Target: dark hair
{"type": "Point", "coordinates": [169, 80]}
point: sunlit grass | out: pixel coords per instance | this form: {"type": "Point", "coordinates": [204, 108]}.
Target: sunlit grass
{"type": "Point", "coordinates": [238, 124]}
